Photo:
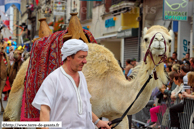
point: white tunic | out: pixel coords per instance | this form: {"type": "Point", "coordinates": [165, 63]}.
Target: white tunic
{"type": "Point", "coordinates": [68, 103]}
{"type": "Point", "coordinates": [177, 90]}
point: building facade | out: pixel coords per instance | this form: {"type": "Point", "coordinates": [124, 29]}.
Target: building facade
{"type": "Point", "coordinates": [114, 24]}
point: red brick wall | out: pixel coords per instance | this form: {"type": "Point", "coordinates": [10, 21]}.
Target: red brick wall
{"type": "Point", "coordinates": [107, 5]}
{"type": "Point", "coordinates": [83, 10]}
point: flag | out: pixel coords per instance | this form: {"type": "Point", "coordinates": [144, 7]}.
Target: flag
{"type": "Point", "coordinates": [36, 2]}
{"type": "Point", "coordinates": [6, 23]}
{"type": "Point", "coordinates": [9, 3]}
{"type": "Point", "coordinates": [1, 2]}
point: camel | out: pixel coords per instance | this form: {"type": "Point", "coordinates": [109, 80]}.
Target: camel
{"type": "Point", "coordinates": [16, 65]}
{"type": "Point", "coordinates": [4, 70]}
{"type": "Point", "coordinates": [111, 92]}
{"type": "Point", "coordinates": [26, 55]}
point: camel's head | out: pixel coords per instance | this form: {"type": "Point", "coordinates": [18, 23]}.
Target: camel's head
{"type": "Point", "coordinates": [26, 55]}
{"type": "Point", "coordinates": [160, 39]}
{"type": "Point", "coordinates": [18, 54]}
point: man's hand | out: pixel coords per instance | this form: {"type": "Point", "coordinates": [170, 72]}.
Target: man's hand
{"type": "Point", "coordinates": [180, 96]}
{"type": "Point", "coordinates": [185, 94]}
{"type": "Point", "coordinates": [103, 124]}
{"type": "Point", "coordinates": [173, 99]}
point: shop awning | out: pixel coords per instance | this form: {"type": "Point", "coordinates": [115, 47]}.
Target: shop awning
{"type": "Point", "coordinates": [107, 36]}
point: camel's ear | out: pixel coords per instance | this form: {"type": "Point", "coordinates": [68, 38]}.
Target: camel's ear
{"type": "Point", "coordinates": [171, 33]}
{"type": "Point", "coordinates": [145, 30]}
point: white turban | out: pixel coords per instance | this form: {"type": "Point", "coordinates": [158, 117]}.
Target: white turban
{"type": "Point", "coordinates": [72, 46]}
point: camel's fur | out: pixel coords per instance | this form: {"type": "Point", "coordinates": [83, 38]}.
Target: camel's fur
{"type": "Point", "coordinates": [16, 65]}
{"type": "Point", "coordinates": [111, 92]}
{"type": "Point", "coordinates": [4, 70]}
{"type": "Point", "coordinates": [26, 55]}
{"type": "Point", "coordinates": [12, 111]}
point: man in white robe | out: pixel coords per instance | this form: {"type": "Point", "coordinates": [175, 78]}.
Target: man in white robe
{"type": "Point", "coordinates": [63, 95]}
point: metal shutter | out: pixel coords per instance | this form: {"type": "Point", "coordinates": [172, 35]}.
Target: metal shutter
{"type": "Point", "coordinates": [131, 48]}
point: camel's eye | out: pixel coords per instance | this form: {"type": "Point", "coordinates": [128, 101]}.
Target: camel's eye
{"type": "Point", "coordinates": [146, 39]}
{"type": "Point", "coordinates": [2, 47]}
{"type": "Point", "coordinates": [169, 40]}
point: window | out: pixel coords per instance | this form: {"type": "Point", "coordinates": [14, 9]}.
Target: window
{"type": "Point", "coordinates": [89, 9]}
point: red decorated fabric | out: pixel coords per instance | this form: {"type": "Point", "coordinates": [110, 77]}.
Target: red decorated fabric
{"type": "Point", "coordinates": [45, 58]}
{"type": "Point", "coordinates": [89, 36]}
{"type": "Point", "coordinates": [7, 86]}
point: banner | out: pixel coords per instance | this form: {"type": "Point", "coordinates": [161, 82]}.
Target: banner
{"type": "Point", "coordinates": [175, 10]}
{"type": "Point", "coordinates": [9, 3]}
{"type": "Point", "coordinates": [6, 23]}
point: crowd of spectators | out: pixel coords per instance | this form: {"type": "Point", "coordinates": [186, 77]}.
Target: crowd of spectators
{"type": "Point", "coordinates": [179, 87]}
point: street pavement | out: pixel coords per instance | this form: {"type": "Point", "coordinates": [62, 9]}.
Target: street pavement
{"type": "Point", "coordinates": [1, 114]}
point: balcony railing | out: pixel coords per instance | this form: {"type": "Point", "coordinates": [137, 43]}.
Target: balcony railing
{"type": "Point", "coordinates": [118, 1]}
{"type": "Point", "coordinates": [121, 7]}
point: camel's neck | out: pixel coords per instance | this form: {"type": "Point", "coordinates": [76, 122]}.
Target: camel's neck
{"type": "Point", "coordinates": [147, 69]}
{"type": "Point", "coordinates": [17, 64]}
{"type": "Point", "coordinates": [2, 56]}
{"type": "Point", "coordinates": [133, 87]}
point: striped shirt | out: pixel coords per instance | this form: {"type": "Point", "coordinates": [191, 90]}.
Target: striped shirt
{"type": "Point", "coordinates": [185, 82]}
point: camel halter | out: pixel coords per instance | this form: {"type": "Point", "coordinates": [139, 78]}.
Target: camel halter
{"type": "Point", "coordinates": [163, 56]}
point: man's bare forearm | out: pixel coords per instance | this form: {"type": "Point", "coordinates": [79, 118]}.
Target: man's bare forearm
{"type": "Point", "coordinates": [44, 114]}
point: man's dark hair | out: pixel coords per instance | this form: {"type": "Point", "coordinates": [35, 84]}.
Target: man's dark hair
{"type": "Point", "coordinates": [71, 56]}
{"type": "Point", "coordinates": [179, 77]}
{"type": "Point", "coordinates": [188, 53]}
{"type": "Point", "coordinates": [171, 75]}
{"type": "Point", "coordinates": [169, 66]}
{"type": "Point", "coordinates": [128, 61]}
{"type": "Point", "coordinates": [185, 61]}
{"type": "Point", "coordinates": [174, 53]}
{"type": "Point", "coordinates": [133, 59]}
{"type": "Point", "coordinates": [185, 68]}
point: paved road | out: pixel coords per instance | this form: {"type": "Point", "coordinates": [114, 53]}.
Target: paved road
{"type": "Point", "coordinates": [1, 114]}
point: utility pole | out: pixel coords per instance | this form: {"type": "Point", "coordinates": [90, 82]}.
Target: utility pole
{"type": "Point", "coordinates": [17, 23]}
{"type": "Point", "coordinates": [28, 12]}
{"type": "Point", "coordinates": [191, 45]}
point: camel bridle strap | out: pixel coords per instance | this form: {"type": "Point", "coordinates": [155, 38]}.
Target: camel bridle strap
{"type": "Point", "coordinates": [163, 56]}
{"type": "Point", "coordinates": [118, 120]}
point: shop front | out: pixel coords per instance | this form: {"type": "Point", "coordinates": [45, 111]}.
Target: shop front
{"type": "Point", "coordinates": [130, 44]}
